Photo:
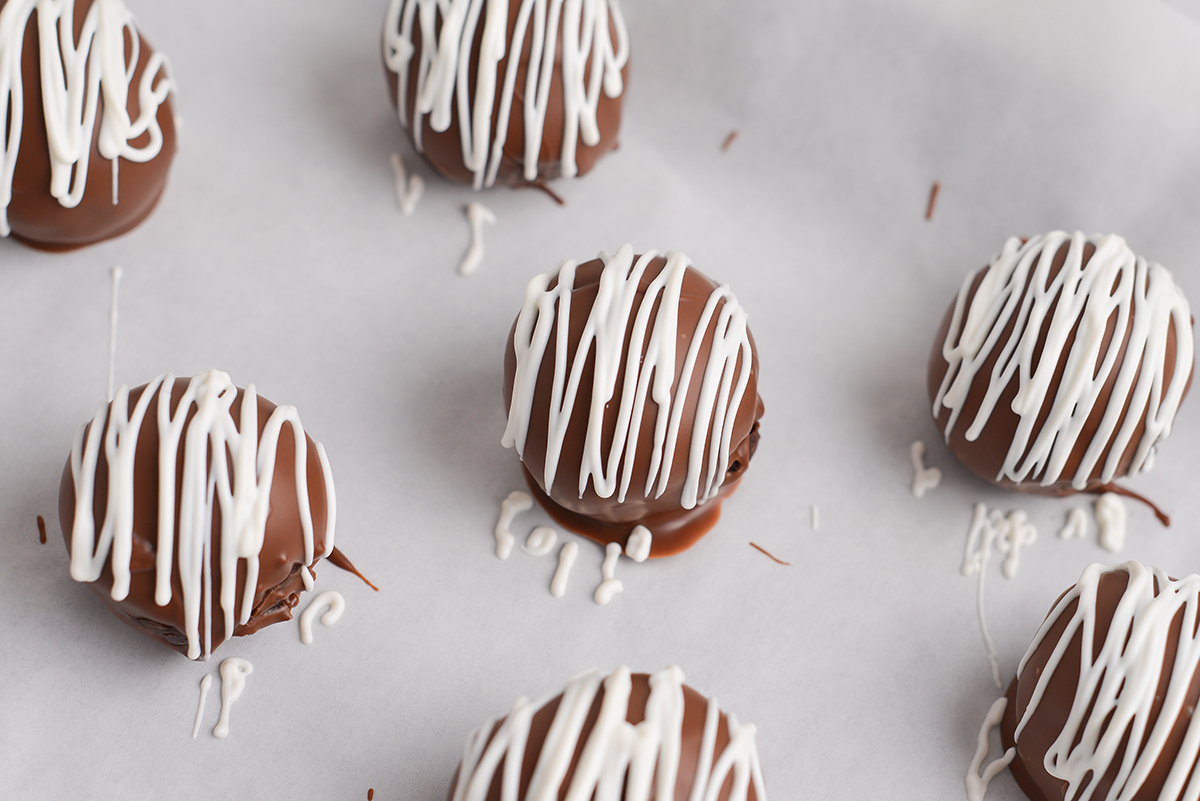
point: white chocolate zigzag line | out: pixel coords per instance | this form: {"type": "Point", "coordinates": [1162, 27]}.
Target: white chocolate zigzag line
{"type": "Point", "coordinates": [618, 761]}
{"type": "Point", "coordinates": [443, 73]}
{"type": "Point", "coordinates": [73, 80]}
{"type": "Point", "coordinates": [1080, 299]}
{"type": "Point", "coordinates": [243, 497]}
{"type": "Point", "coordinates": [547, 312]}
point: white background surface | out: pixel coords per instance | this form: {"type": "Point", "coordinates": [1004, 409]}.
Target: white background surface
{"type": "Point", "coordinates": [278, 255]}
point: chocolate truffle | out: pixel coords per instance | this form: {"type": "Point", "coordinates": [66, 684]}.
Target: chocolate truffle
{"type": "Point", "coordinates": [184, 546]}
{"type": "Point", "coordinates": [1103, 703]}
{"type": "Point", "coordinates": [633, 738]}
{"type": "Point", "coordinates": [519, 91]}
{"type": "Point", "coordinates": [1061, 364]}
{"type": "Point", "coordinates": [631, 384]}
{"type": "Point", "coordinates": [88, 135]}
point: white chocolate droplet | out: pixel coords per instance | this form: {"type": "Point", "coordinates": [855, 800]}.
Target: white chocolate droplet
{"type": "Point", "coordinates": [1111, 517]}
{"type": "Point", "coordinates": [477, 215]}
{"type": "Point", "coordinates": [516, 502]}
{"type": "Point", "coordinates": [924, 478]}
{"type": "Point", "coordinates": [233, 680]}
{"type": "Point", "coordinates": [331, 598]}
{"type": "Point", "coordinates": [540, 541]}
{"type": "Point", "coordinates": [610, 586]}
{"type": "Point", "coordinates": [637, 547]}
{"type": "Point", "coordinates": [566, 558]}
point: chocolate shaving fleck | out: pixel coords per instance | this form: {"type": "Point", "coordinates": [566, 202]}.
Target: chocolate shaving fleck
{"type": "Point", "coordinates": [42, 529]}
{"type": "Point", "coordinates": [933, 193]}
{"type": "Point", "coordinates": [729, 140]}
{"type": "Point", "coordinates": [775, 558]}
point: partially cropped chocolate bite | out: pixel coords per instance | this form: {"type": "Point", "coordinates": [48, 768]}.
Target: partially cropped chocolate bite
{"type": "Point", "coordinates": [196, 510]}
{"type": "Point", "coordinates": [629, 737]}
{"type": "Point", "coordinates": [516, 92]}
{"type": "Point", "coordinates": [1103, 704]}
{"type": "Point", "coordinates": [1061, 364]}
{"type": "Point", "coordinates": [650, 417]}
{"type": "Point", "coordinates": [88, 130]}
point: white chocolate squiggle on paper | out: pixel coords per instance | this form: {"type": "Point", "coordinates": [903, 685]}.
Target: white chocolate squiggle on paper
{"type": "Point", "coordinates": [1119, 686]}
{"type": "Point", "coordinates": [447, 30]}
{"type": "Point", "coordinates": [610, 585]}
{"type": "Point", "coordinates": [239, 485]}
{"type": "Point", "coordinates": [617, 313]}
{"type": "Point", "coordinates": [330, 598]}
{"type": "Point", "coordinates": [1111, 517]}
{"type": "Point", "coordinates": [566, 558]}
{"type": "Point", "coordinates": [617, 759]}
{"type": "Point", "coordinates": [1078, 302]}
{"type": "Point", "coordinates": [233, 681]}
{"type": "Point", "coordinates": [74, 77]}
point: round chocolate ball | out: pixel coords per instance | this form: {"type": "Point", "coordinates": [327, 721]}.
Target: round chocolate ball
{"type": "Point", "coordinates": [634, 737]}
{"type": "Point", "coordinates": [80, 168]}
{"type": "Point", "coordinates": [631, 384]}
{"type": "Point", "coordinates": [519, 92]}
{"type": "Point", "coordinates": [187, 548]}
{"type": "Point", "coordinates": [1115, 717]}
{"type": "Point", "coordinates": [1060, 365]}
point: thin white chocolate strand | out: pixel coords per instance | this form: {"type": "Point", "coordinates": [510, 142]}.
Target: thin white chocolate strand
{"type": "Point", "coordinates": [617, 760]}
{"type": "Point", "coordinates": [336, 604]}
{"type": "Point", "coordinates": [74, 77]}
{"type": "Point", "coordinates": [1075, 308]}
{"type": "Point", "coordinates": [1076, 526]}
{"type": "Point", "coordinates": [240, 486]}
{"type": "Point", "coordinates": [477, 215]}
{"type": "Point", "coordinates": [617, 314]}
{"type": "Point", "coordinates": [205, 683]}
{"type": "Point", "coordinates": [233, 681]}
{"type": "Point", "coordinates": [447, 31]}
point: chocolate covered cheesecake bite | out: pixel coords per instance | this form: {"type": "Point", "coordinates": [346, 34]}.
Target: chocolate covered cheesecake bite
{"type": "Point", "coordinates": [1060, 365]}
{"type": "Point", "coordinates": [630, 737]}
{"type": "Point", "coordinates": [196, 510]}
{"type": "Point", "coordinates": [86, 122]}
{"type": "Point", "coordinates": [631, 384]}
{"type": "Point", "coordinates": [1103, 703]}
{"type": "Point", "coordinates": [518, 92]}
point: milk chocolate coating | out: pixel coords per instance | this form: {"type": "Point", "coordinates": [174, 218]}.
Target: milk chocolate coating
{"type": "Point", "coordinates": [279, 583]}
{"type": "Point", "coordinates": [1051, 713]}
{"type": "Point", "coordinates": [443, 150]}
{"type": "Point", "coordinates": [35, 216]}
{"type": "Point", "coordinates": [695, 709]}
{"type": "Point", "coordinates": [605, 519]}
{"type": "Point", "coordinates": [985, 456]}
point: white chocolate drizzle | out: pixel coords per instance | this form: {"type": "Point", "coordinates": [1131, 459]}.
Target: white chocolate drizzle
{"type": "Point", "coordinates": [566, 558]}
{"type": "Point", "coordinates": [409, 188]}
{"type": "Point", "coordinates": [239, 485]}
{"type": "Point", "coordinates": [1111, 517]}
{"type": "Point", "coordinates": [447, 30]}
{"type": "Point", "coordinates": [540, 541]}
{"type": "Point", "coordinates": [977, 783]}
{"type": "Point", "coordinates": [610, 585]}
{"type": "Point", "coordinates": [814, 517]}
{"type": "Point", "coordinates": [74, 77]}
{"type": "Point", "coordinates": [617, 759]}
{"type": "Point", "coordinates": [477, 215]}
{"type": "Point", "coordinates": [924, 478]}
{"type": "Point", "coordinates": [234, 671]}
{"type": "Point", "coordinates": [336, 604]}
{"type": "Point", "coordinates": [205, 683]}
{"type": "Point", "coordinates": [1079, 301]}
{"type": "Point", "coordinates": [545, 321]}
{"type": "Point", "coordinates": [1076, 526]}
{"type": "Point", "coordinates": [1117, 686]}
{"type": "Point", "coordinates": [1005, 534]}
{"type": "Point", "coordinates": [639, 543]}
{"type": "Point", "coordinates": [516, 502]}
